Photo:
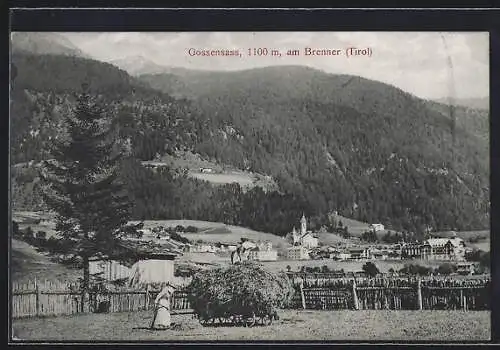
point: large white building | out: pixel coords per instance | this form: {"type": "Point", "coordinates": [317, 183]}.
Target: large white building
{"type": "Point", "coordinates": [436, 249]}
{"type": "Point", "coordinates": [298, 253]}
{"type": "Point", "coordinates": [263, 252]}
{"type": "Point", "coordinates": [377, 227]}
{"type": "Point", "coordinates": [443, 249]}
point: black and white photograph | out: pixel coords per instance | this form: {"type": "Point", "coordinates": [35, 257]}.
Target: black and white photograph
{"type": "Point", "coordinates": [249, 186]}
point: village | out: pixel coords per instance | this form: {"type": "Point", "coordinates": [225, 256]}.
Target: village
{"type": "Point", "coordinates": [155, 198]}
{"type": "Point", "coordinates": [163, 244]}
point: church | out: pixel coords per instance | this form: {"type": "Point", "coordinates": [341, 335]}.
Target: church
{"type": "Point", "coordinates": [304, 238]}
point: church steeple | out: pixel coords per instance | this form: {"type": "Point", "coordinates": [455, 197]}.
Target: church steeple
{"type": "Point", "coordinates": [303, 224]}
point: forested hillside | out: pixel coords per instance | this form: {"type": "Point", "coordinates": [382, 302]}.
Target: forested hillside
{"type": "Point", "coordinates": [148, 123]}
{"type": "Point", "coordinates": [366, 149]}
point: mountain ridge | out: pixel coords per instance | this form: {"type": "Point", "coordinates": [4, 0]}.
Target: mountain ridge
{"type": "Point", "coordinates": [329, 140]}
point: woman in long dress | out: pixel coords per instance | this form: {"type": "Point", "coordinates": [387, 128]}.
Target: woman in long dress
{"type": "Point", "coordinates": [161, 318]}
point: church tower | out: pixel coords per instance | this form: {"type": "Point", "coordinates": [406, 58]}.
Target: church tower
{"type": "Point", "coordinates": [296, 237]}
{"type": "Point", "coordinates": [303, 225]}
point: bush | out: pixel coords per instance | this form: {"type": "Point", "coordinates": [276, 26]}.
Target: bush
{"type": "Point", "coordinates": [446, 269]}
{"type": "Point", "coordinates": [485, 261]}
{"type": "Point", "coordinates": [177, 237]}
{"type": "Point", "coordinates": [475, 255]}
{"type": "Point", "coordinates": [411, 269]}
{"type": "Point", "coordinates": [240, 289]}
{"type": "Point", "coordinates": [28, 234]}
{"type": "Point", "coordinates": [370, 269]}
{"type": "Point", "coordinates": [191, 229]}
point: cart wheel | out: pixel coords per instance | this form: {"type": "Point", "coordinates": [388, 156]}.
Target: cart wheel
{"type": "Point", "coordinates": [266, 320]}
{"type": "Point", "coordinates": [235, 320]}
{"type": "Point", "coordinates": [206, 321]}
{"type": "Point", "coordinates": [249, 321]}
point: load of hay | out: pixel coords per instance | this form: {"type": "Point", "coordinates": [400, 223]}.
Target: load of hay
{"type": "Point", "coordinates": [245, 290]}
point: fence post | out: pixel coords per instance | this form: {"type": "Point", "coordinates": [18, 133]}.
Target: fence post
{"type": "Point", "coordinates": [419, 294]}
{"type": "Point", "coordinates": [146, 307]}
{"type": "Point", "coordinates": [38, 297]}
{"type": "Point", "coordinates": [302, 296]}
{"type": "Point", "coordinates": [355, 295]}
{"type": "Point", "coordinates": [463, 298]}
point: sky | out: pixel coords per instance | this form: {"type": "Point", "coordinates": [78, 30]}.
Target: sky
{"type": "Point", "coordinates": [417, 62]}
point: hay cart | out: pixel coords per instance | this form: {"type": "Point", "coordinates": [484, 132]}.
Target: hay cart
{"type": "Point", "coordinates": [227, 314]}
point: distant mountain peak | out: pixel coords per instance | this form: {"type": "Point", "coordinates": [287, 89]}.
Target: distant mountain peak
{"type": "Point", "coordinates": [472, 102]}
{"type": "Point", "coordinates": [45, 43]}
{"type": "Point", "coordinates": [138, 64]}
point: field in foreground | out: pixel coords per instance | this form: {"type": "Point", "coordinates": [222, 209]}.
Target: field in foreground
{"type": "Point", "coordinates": [293, 325]}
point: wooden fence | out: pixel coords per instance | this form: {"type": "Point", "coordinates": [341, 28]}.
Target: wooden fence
{"type": "Point", "coordinates": [394, 294]}
{"type": "Point", "coordinates": [60, 298]}
{"type": "Point", "coordinates": [49, 298]}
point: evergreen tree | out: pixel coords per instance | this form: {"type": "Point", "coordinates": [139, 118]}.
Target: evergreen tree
{"type": "Point", "coordinates": [83, 187]}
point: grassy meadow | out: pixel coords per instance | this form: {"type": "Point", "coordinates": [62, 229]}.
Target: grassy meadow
{"type": "Point", "coordinates": [293, 325]}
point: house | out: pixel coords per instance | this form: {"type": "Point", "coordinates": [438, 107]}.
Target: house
{"type": "Point", "coordinates": [436, 248]}
{"type": "Point", "coordinates": [340, 256]}
{"type": "Point", "coordinates": [202, 248]}
{"type": "Point", "coordinates": [298, 253]}
{"type": "Point", "coordinates": [411, 250]}
{"type": "Point", "coordinates": [153, 268]}
{"type": "Point", "coordinates": [263, 255]}
{"type": "Point", "coordinates": [379, 255]}
{"type": "Point", "coordinates": [150, 262]}
{"type": "Point", "coordinates": [357, 253]}
{"type": "Point", "coordinates": [263, 252]}
{"type": "Point", "coordinates": [153, 165]}
{"type": "Point", "coordinates": [443, 249]}
{"type": "Point", "coordinates": [377, 227]}
{"type": "Point", "coordinates": [466, 268]}
{"type": "Point", "coordinates": [163, 236]}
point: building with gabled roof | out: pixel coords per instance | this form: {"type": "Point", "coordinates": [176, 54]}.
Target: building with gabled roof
{"type": "Point", "coordinates": [304, 238]}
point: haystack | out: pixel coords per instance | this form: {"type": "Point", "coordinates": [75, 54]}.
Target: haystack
{"type": "Point", "coordinates": [245, 288]}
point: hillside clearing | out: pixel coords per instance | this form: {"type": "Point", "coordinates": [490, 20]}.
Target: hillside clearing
{"type": "Point", "coordinates": [242, 179]}
{"type": "Point", "coordinates": [222, 174]}
{"type": "Point", "coordinates": [209, 232]}
{"type": "Point", "coordinates": [293, 325]}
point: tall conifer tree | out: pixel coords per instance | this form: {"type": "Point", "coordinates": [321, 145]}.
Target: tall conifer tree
{"type": "Point", "coordinates": [83, 185]}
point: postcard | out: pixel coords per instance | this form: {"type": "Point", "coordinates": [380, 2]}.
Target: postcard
{"type": "Point", "coordinates": [250, 186]}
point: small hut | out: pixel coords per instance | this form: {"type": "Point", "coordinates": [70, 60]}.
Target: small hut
{"type": "Point", "coordinates": [153, 268]}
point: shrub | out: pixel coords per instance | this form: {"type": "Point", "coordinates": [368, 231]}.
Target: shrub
{"type": "Point", "coordinates": [411, 269]}
{"type": "Point", "coordinates": [239, 289]}
{"type": "Point", "coordinates": [28, 234]}
{"type": "Point", "coordinates": [177, 237]}
{"type": "Point", "coordinates": [370, 269]}
{"type": "Point", "coordinates": [191, 229]}
{"type": "Point", "coordinates": [41, 235]}
{"type": "Point", "coordinates": [446, 269]}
